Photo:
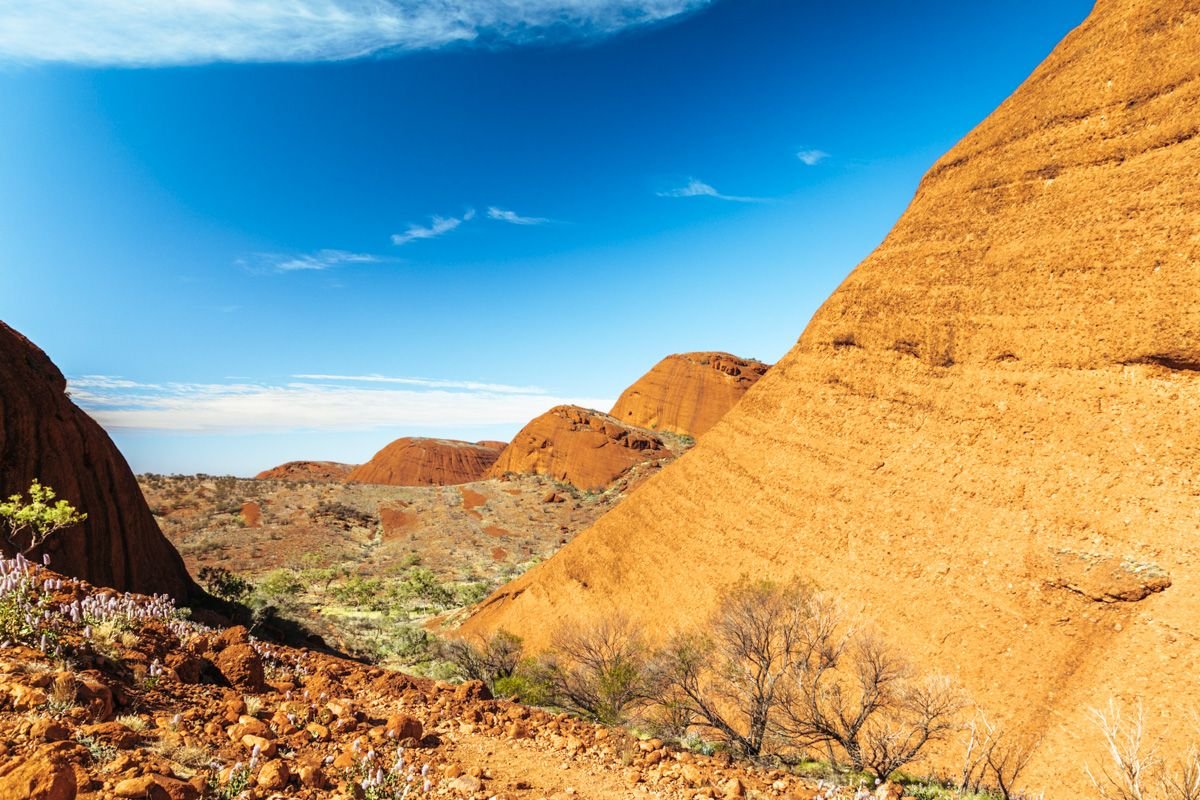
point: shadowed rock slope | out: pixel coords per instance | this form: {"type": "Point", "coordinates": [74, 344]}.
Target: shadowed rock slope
{"type": "Point", "coordinates": [413, 461]}
{"type": "Point", "coordinates": [585, 448]}
{"type": "Point", "coordinates": [687, 393]}
{"type": "Point", "coordinates": [987, 436]}
{"type": "Point", "coordinates": [307, 471]}
{"type": "Point", "coordinates": [44, 436]}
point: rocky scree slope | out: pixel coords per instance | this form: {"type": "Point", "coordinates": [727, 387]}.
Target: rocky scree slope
{"type": "Point", "coordinates": [118, 696]}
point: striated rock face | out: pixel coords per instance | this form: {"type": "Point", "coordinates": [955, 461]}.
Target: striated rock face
{"type": "Point", "coordinates": [328, 471]}
{"type": "Point", "coordinates": [987, 437]}
{"type": "Point", "coordinates": [687, 393]}
{"type": "Point", "coordinates": [427, 462]}
{"type": "Point", "coordinates": [579, 446]}
{"type": "Point", "coordinates": [44, 436]}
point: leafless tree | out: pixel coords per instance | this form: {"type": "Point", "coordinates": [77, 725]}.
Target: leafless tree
{"type": "Point", "coordinates": [601, 670]}
{"type": "Point", "coordinates": [1132, 768]}
{"type": "Point", "coordinates": [489, 660]}
{"type": "Point", "coordinates": [853, 694]}
{"type": "Point", "coordinates": [732, 680]}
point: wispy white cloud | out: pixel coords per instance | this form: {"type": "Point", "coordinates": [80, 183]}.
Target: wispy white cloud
{"type": "Point", "coordinates": [812, 157]}
{"type": "Point", "coordinates": [698, 188]}
{"type": "Point", "coordinates": [162, 32]}
{"type": "Point", "coordinates": [320, 260]}
{"type": "Point", "coordinates": [312, 404]}
{"type": "Point", "coordinates": [428, 383]}
{"type": "Point", "coordinates": [437, 226]}
{"type": "Point", "coordinates": [513, 217]}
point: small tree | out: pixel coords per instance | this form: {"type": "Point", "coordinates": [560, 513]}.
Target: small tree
{"type": "Point", "coordinates": [492, 660]}
{"type": "Point", "coordinates": [854, 693]}
{"type": "Point", "coordinates": [599, 671]}
{"type": "Point", "coordinates": [38, 519]}
{"type": "Point", "coordinates": [733, 680]}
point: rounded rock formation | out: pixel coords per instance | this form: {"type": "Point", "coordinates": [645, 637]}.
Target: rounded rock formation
{"type": "Point", "coordinates": [687, 393]}
{"type": "Point", "coordinates": [46, 437]}
{"type": "Point", "coordinates": [413, 461]}
{"type": "Point", "coordinates": [986, 437]}
{"type": "Point", "coordinates": [585, 448]}
{"type": "Point", "coordinates": [320, 471]}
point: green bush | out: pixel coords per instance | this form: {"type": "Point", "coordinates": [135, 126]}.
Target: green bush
{"type": "Point", "coordinates": [40, 518]}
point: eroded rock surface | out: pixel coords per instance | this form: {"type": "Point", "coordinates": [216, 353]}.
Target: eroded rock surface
{"type": "Point", "coordinates": [585, 448]}
{"type": "Point", "coordinates": [1011, 375]}
{"type": "Point", "coordinates": [687, 393]}
{"type": "Point", "coordinates": [414, 461]}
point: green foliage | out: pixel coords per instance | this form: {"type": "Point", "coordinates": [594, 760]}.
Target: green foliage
{"type": "Point", "coordinates": [421, 585]}
{"type": "Point", "coordinates": [238, 782]}
{"type": "Point", "coordinates": [22, 613]}
{"type": "Point", "coordinates": [101, 752]}
{"type": "Point", "coordinates": [469, 594]}
{"type": "Point", "coordinates": [38, 519]}
{"type": "Point", "coordinates": [280, 584]}
{"type": "Point", "coordinates": [224, 584]}
{"type": "Point", "coordinates": [529, 685]}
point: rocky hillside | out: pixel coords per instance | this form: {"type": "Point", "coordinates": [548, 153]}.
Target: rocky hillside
{"type": "Point", "coordinates": [582, 447]}
{"type": "Point", "coordinates": [117, 696]}
{"type": "Point", "coordinates": [45, 437]}
{"type": "Point", "coordinates": [413, 461]}
{"type": "Point", "coordinates": [687, 393]}
{"type": "Point", "coordinates": [986, 436]}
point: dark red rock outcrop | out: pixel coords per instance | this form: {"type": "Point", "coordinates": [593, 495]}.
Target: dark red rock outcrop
{"type": "Point", "coordinates": [414, 461]}
{"type": "Point", "coordinates": [45, 436]}
{"type": "Point", "coordinates": [330, 471]}
{"type": "Point", "coordinates": [582, 447]}
{"type": "Point", "coordinates": [687, 393]}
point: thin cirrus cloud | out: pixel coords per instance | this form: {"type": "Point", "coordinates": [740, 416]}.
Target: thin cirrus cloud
{"type": "Point", "coordinates": [513, 217]}
{"type": "Point", "coordinates": [131, 33]}
{"type": "Point", "coordinates": [314, 403]}
{"type": "Point", "coordinates": [438, 226]}
{"type": "Point", "coordinates": [698, 188]}
{"type": "Point", "coordinates": [812, 157]}
{"type": "Point", "coordinates": [317, 261]}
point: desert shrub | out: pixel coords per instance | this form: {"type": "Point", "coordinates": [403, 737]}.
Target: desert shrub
{"type": "Point", "coordinates": [422, 586]}
{"type": "Point", "coordinates": [280, 585]}
{"type": "Point", "coordinates": [358, 591]}
{"type": "Point", "coordinates": [35, 521]}
{"type": "Point", "coordinates": [468, 594]}
{"type": "Point", "coordinates": [490, 660]}
{"type": "Point", "coordinates": [1132, 768]}
{"type": "Point", "coordinates": [781, 667]}
{"type": "Point", "coordinates": [733, 680]}
{"type": "Point", "coordinates": [599, 671]}
{"type": "Point", "coordinates": [224, 584]}
{"type": "Point", "coordinates": [527, 685]}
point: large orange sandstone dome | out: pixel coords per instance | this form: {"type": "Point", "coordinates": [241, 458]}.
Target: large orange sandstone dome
{"type": "Point", "coordinates": [585, 448]}
{"type": "Point", "coordinates": [415, 461]}
{"type": "Point", "coordinates": [45, 437]}
{"type": "Point", "coordinates": [987, 438]}
{"type": "Point", "coordinates": [687, 393]}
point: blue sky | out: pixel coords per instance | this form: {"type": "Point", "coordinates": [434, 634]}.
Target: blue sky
{"type": "Point", "coordinates": [259, 237]}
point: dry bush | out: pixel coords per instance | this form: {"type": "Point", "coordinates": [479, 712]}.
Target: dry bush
{"type": "Point", "coordinates": [489, 660]}
{"type": "Point", "coordinates": [855, 695]}
{"type": "Point", "coordinates": [599, 671]}
{"type": "Point", "coordinates": [1132, 769]}
{"type": "Point", "coordinates": [782, 667]}
{"type": "Point", "coordinates": [732, 680]}
{"type": "Point", "coordinates": [995, 758]}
